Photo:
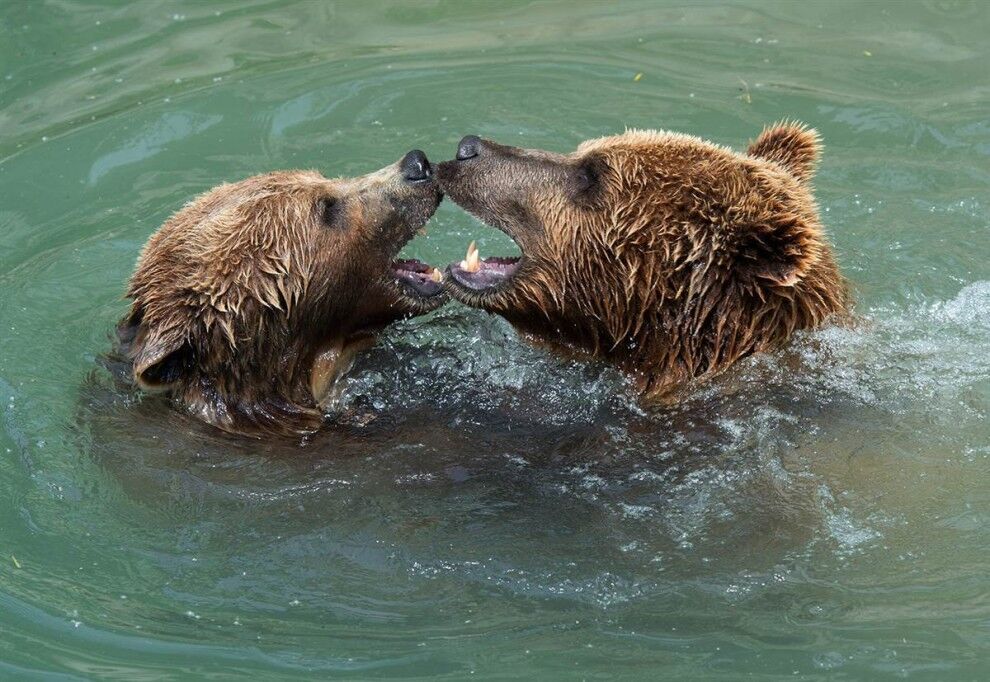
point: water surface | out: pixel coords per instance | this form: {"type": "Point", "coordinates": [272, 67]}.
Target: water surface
{"type": "Point", "coordinates": [823, 511]}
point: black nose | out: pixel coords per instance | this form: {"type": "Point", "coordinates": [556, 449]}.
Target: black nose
{"type": "Point", "coordinates": [415, 166]}
{"type": "Point", "coordinates": [468, 147]}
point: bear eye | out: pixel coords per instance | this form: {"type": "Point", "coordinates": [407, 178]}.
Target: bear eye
{"type": "Point", "coordinates": [329, 210]}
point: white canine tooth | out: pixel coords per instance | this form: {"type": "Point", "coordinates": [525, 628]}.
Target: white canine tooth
{"type": "Point", "coordinates": [436, 275]}
{"type": "Point", "coordinates": [472, 261]}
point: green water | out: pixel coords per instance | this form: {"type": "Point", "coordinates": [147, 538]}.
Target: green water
{"type": "Point", "coordinates": [822, 513]}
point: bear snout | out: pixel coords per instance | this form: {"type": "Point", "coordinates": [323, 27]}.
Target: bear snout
{"type": "Point", "coordinates": [415, 167]}
{"type": "Point", "coordinates": [468, 148]}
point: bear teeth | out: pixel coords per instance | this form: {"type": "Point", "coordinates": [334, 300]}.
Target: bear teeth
{"type": "Point", "coordinates": [472, 261]}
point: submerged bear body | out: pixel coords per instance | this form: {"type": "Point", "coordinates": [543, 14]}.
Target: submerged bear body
{"type": "Point", "coordinates": [668, 255]}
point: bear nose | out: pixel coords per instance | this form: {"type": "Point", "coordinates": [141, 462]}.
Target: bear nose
{"type": "Point", "coordinates": [415, 166]}
{"type": "Point", "coordinates": [469, 147]}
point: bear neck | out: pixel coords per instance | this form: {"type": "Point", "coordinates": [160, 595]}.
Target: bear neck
{"type": "Point", "coordinates": [674, 335]}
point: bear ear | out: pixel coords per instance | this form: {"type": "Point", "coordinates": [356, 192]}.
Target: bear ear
{"type": "Point", "coordinates": [793, 145]}
{"type": "Point", "coordinates": [780, 255]}
{"type": "Point", "coordinates": [162, 356]}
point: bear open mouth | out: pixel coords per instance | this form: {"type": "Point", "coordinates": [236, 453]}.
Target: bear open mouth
{"type": "Point", "coordinates": [418, 280]}
{"type": "Point", "coordinates": [423, 279]}
{"type": "Point", "coordinates": [483, 274]}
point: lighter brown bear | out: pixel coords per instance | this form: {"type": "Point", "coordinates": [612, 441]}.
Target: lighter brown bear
{"type": "Point", "coordinates": [668, 255]}
{"type": "Point", "coordinates": [250, 301]}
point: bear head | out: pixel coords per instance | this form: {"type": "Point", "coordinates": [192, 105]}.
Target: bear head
{"type": "Point", "coordinates": [667, 254]}
{"type": "Point", "coordinates": [249, 302]}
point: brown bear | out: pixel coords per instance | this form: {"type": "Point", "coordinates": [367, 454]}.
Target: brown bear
{"type": "Point", "coordinates": [251, 300]}
{"type": "Point", "coordinates": [668, 255]}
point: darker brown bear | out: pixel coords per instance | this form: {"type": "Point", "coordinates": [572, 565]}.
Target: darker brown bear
{"type": "Point", "coordinates": [250, 301]}
{"type": "Point", "coordinates": [671, 256]}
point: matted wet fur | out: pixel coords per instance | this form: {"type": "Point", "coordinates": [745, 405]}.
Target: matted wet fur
{"type": "Point", "coordinates": [251, 300]}
{"type": "Point", "coordinates": [669, 255]}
